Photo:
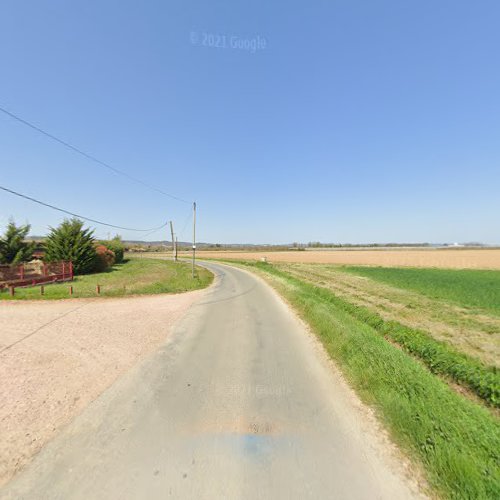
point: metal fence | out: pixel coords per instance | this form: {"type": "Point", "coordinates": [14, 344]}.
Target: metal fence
{"type": "Point", "coordinates": [35, 273]}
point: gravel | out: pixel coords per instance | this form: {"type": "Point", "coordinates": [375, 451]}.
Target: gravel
{"type": "Point", "coordinates": [57, 357]}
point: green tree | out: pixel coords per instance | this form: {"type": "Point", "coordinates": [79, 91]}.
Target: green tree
{"type": "Point", "coordinates": [72, 242]}
{"type": "Point", "coordinates": [13, 247]}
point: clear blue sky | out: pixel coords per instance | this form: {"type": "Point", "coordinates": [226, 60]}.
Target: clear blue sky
{"type": "Point", "coordinates": [359, 121]}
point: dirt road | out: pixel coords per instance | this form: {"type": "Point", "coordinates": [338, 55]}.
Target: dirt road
{"type": "Point", "coordinates": [240, 402]}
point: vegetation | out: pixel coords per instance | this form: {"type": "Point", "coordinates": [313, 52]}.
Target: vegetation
{"type": "Point", "coordinates": [440, 357]}
{"type": "Point", "coordinates": [457, 440]}
{"type": "Point", "coordinates": [467, 288]}
{"type": "Point", "coordinates": [72, 242]}
{"type": "Point", "coordinates": [105, 258]}
{"type": "Point", "coordinates": [117, 247]}
{"type": "Point", "coordinates": [135, 276]}
{"type": "Point", "coordinates": [13, 247]}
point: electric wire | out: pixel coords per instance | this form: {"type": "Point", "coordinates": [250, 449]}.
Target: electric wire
{"type": "Point", "coordinates": [34, 200]}
{"type": "Point", "coordinates": [181, 234]}
{"type": "Point", "coordinates": [89, 156]}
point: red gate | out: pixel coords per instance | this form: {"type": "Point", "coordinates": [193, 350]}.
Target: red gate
{"type": "Point", "coordinates": [35, 273]}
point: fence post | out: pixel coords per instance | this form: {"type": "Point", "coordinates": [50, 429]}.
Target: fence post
{"type": "Point", "coordinates": [21, 271]}
{"type": "Point", "coordinates": [98, 289]}
{"type": "Point", "coordinates": [42, 290]}
{"type": "Point", "coordinates": [71, 290]}
{"type": "Point", "coordinates": [71, 270]}
{"type": "Point", "coordinates": [12, 290]}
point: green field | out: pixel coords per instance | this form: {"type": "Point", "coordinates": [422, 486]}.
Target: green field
{"type": "Point", "coordinates": [135, 276]}
{"type": "Point", "coordinates": [465, 287]}
{"type": "Point", "coordinates": [453, 438]}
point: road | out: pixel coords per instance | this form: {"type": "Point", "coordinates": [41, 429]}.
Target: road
{"type": "Point", "coordinates": [240, 402]}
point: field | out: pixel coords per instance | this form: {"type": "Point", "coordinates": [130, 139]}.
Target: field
{"type": "Point", "coordinates": [136, 276]}
{"type": "Point", "coordinates": [467, 288]}
{"type": "Point", "coordinates": [421, 346]}
{"type": "Point", "coordinates": [441, 258]}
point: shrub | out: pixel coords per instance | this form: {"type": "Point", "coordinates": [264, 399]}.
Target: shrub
{"type": "Point", "coordinates": [117, 247]}
{"type": "Point", "coordinates": [72, 242]}
{"type": "Point", "coordinates": [13, 248]}
{"type": "Point", "coordinates": [105, 258]}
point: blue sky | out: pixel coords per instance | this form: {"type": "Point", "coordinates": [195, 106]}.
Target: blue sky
{"type": "Point", "coordinates": [358, 121]}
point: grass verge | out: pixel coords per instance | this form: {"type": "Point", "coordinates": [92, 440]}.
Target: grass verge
{"type": "Point", "coordinates": [456, 440]}
{"type": "Point", "coordinates": [440, 357]}
{"type": "Point", "coordinates": [134, 277]}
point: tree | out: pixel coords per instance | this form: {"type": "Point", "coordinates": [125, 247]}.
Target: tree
{"type": "Point", "coordinates": [72, 242]}
{"type": "Point", "coordinates": [13, 247]}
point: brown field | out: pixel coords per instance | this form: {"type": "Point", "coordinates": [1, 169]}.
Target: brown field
{"type": "Point", "coordinates": [442, 258]}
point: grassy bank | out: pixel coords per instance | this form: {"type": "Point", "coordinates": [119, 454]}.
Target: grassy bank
{"type": "Point", "coordinates": [456, 440]}
{"type": "Point", "coordinates": [465, 287]}
{"type": "Point", "coordinates": [136, 276]}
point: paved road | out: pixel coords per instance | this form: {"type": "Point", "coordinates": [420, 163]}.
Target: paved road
{"type": "Point", "coordinates": [238, 403]}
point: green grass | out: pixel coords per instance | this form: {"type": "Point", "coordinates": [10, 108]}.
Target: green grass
{"type": "Point", "coordinates": [136, 276]}
{"type": "Point", "coordinates": [465, 287]}
{"type": "Point", "coordinates": [456, 440]}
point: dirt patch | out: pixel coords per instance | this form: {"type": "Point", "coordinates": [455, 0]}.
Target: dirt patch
{"type": "Point", "coordinates": [57, 357]}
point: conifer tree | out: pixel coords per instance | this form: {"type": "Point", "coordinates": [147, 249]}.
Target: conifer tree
{"type": "Point", "coordinates": [72, 242]}
{"type": "Point", "coordinates": [13, 247]}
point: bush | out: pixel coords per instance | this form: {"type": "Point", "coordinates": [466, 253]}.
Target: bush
{"type": "Point", "coordinates": [117, 247]}
{"type": "Point", "coordinates": [105, 258]}
{"type": "Point", "coordinates": [71, 242]}
{"type": "Point", "coordinates": [13, 248]}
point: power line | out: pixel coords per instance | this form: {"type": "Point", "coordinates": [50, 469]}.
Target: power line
{"type": "Point", "coordinates": [188, 218]}
{"type": "Point", "coordinates": [79, 216]}
{"type": "Point", "coordinates": [89, 156]}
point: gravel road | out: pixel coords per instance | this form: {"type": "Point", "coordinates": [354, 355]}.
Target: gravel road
{"type": "Point", "coordinates": [239, 402]}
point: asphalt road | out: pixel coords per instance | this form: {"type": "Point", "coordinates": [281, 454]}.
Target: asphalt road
{"type": "Point", "coordinates": [238, 403]}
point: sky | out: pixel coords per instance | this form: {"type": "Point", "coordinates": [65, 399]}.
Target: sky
{"type": "Point", "coordinates": [336, 121]}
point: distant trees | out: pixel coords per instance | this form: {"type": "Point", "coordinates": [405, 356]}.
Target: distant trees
{"type": "Point", "coordinates": [13, 247]}
{"type": "Point", "coordinates": [72, 242]}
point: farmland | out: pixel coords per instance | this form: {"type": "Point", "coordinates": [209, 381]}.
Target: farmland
{"type": "Point", "coordinates": [462, 258]}
{"type": "Point", "coordinates": [422, 348]}
{"type": "Point", "coordinates": [473, 289]}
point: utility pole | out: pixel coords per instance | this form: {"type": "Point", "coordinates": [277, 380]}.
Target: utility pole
{"type": "Point", "coordinates": [194, 238]}
{"type": "Point", "coordinates": [174, 246]}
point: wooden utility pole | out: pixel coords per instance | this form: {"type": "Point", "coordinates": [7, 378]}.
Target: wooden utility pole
{"type": "Point", "coordinates": [194, 238]}
{"type": "Point", "coordinates": [174, 246]}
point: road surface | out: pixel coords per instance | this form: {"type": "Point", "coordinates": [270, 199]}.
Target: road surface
{"type": "Point", "coordinates": [240, 402]}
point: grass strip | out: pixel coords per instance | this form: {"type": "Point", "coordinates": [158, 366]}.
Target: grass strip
{"type": "Point", "coordinates": [136, 276]}
{"type": "Point", "coordinates": [457, 441]}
